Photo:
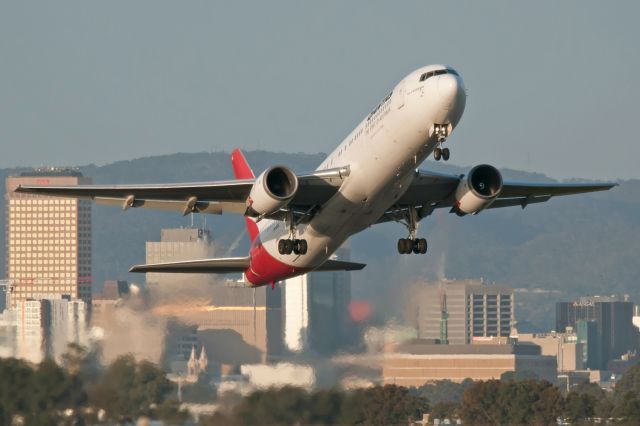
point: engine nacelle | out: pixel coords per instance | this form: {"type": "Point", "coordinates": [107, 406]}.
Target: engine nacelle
{"type": "Point", "coordinates": [273, 190]}
{"type": "Point", "coordinates": [478, 190]}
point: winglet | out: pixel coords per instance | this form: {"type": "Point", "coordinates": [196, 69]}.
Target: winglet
{"type": "Point", "coordinates": [242, 170]}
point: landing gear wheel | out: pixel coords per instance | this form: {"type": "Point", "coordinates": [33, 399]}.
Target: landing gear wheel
{"type": "Point", "coordinates": [421, 245]}
{"type": "Point", "coordinates": [437, 154]}
{"type": "Point", "coordinates": [445, 154]}
{"type": "Point", "coordinates": [281, 246]}
{"type": "Point", "coordinates": [404, 246]}
{"type": "Point", "coordinates": [302, 246]}
{"type": "Point", "coordinates": [296, 246]}
{"type": "Point", "coordinates": [288, 246]}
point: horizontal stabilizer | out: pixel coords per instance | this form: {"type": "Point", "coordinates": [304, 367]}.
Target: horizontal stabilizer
{"type": "Point", "coordinates": [215, 266]}
{"type": "Point", "coordinates": [339, 265]}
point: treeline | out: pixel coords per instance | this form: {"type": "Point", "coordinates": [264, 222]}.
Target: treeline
{"type": "Point", "coordinates": [529, 401]}
{"type": "Point", "coordinates": [512, 401]}
{"type": "Point", "coordinates": [79, 392]}
{"type": "Point", "coordinates": [380, 405]}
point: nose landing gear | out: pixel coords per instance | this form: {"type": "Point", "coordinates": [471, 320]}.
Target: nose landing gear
{"type": "Point", "coordinates": [441, 131]}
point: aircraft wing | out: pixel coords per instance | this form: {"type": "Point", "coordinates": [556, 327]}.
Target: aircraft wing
{"type": "Point", "coordinates": [202, 197]}
{"type": "Point", "coordinates": [219, 266]}
{"type": "Point", "coordinates": [431, 190]}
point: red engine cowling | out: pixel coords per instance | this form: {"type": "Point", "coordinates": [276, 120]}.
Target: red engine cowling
{"type": "Point", "coordinates": [478, 190]}
{"type": "Point", "coordinates": [272, 190]}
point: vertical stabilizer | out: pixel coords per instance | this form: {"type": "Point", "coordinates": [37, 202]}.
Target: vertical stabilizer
{"type": "Point", "coordinates": [242, 170]}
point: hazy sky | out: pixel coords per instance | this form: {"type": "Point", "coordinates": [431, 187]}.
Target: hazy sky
{"type": "Point", "coordinates": [553, 86]}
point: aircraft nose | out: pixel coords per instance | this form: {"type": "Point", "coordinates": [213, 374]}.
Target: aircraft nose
{"type": "Point", "coordinates": [450, 89]}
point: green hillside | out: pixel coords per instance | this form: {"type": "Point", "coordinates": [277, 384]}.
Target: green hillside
{"type": "Point", "coordinates": [584, 244]}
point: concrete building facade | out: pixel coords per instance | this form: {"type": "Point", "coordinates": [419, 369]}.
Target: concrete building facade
{"type": "Point", "coordinates": [238, 325]}
{"type": "Point", "coordinates": [615, 334]}
{"type": "Point", "coordinates": [564, 346]}
{"type": "Point", "coordinates": [46, 326]}
{"type": "Point", "coordinates": [48, 239]}
{"type": "Point", "coordinates": [418, 362]}
{"type": "Point", "coordinates": [457, 311]}
{"type": "Point", "coordinates": [177, 244]}
{"type": "Point", "coordinates": [315, 310]}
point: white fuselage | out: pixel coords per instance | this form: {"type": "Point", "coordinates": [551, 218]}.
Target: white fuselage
{"type": "Point", "coordinates": [382, 153]}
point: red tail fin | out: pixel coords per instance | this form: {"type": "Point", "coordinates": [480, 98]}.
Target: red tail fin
{"type": "Point", "coordinates": [242, 170]}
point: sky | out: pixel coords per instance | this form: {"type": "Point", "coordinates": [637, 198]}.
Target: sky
{"type": "Point", "coordinates": [552, 85]}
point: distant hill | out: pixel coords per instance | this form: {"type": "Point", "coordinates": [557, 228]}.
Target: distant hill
{"type": "Point", "coordinates": [585, 244]}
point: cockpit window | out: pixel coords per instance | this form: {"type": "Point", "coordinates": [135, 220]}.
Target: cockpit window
{"type": "Point", "coordinates": [429, 74]}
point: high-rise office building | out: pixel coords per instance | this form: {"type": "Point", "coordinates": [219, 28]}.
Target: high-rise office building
{"type": "Point", "coordinates": [613, 318]}
{"type": "Point", "coordinates": [315, 310]}
{"type": "Point", "coordinates": [178, 244]}
{"type": "Point", "coordinates": [48, 239]}
{"type": "Point", "coordinates": [458, 311]}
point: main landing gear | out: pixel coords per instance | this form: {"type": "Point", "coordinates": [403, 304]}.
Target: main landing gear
{"type": "Point", "coordinates": [412, 244]}
{"type": "Point", "coordinates": [292, 244]}
{"type": "Point", "coordinates": [409, 245]}
{"type": "Point", "coordinates": [441, 131]}
{"type": "Point", "coordinates": [288, 246]}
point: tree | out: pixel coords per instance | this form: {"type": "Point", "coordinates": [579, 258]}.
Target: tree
{"type": "Point", "coordinates": [627, 408]}
{"type": "Point", "coordinates": [128, 389]}
{"type": "Point", "coordinates": [443, 390]}
{"type": "Point", "coordinates": [444, 410]}
{"type": "Point", "coordinates": [480, 406]}
{"type": "Point", "coordinates": [381, 405]}
{"type": "Point", "coordinates": [629, 382]}
{"type": "Point", "coordinates": [53, 390]}
{"type": "Point", "coordinates": [579, 407]}
{"type": "Point", "coordinates": [284, 405]}
{"type": "Point", "coordinates": [78, 361]}
{"type": "Point", "coordinates": [511, 402]}
{"type": "Point", "coordinates": [15, 388]}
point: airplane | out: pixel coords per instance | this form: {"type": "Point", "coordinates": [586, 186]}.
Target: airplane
{"type": "Point", "coordinates": [297, 221]}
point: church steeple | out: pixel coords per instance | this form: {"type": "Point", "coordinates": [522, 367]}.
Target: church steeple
{"type": "Point", "coordinates": [203, 361]}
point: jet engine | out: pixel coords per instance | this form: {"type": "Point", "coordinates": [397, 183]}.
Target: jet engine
{"type": "Point", "coordinates": [272, 190]}
{"type": "Point", "coordinates": [477, 190]}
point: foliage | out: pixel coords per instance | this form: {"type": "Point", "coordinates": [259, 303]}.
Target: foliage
{"type": "Point", "coordinates": [128, 389]}
{"type": "Point", "coordinates": [379, 405]}
{"type": "Point", "coordinates": [511, 402]}
{"type": "Point", "coordinates": [444, 410]}
{"type": "Point", "coordinates": [47, 393]}
{"type": "Point", "coordinates": [443, 391]}
{"type": "Point", "coordinates": [579, 407]}
{"type": "Point", "coordinates": [39, 395]}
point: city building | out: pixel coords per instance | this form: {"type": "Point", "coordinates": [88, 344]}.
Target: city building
{"type": "Point", "coordinates": [48, 239]}
{"type": "Point", "coordinates": [104, 304]}
{"type": "Point", "coordinates": [456, 312]}
{"type": "Point", "coordinates": [569, 352]}
{"type": "Point", "coordinates": [614, 334]}
{"type": "Point", "coordinates": [237, 324]}
{"type": "Point", "coordinates": [5, 285]}
{"type": "Point", "coordinates": [417, 362]}
{"type": "Point", "coordinates": [178, 244]}
{"type": "Point", "coordinates": [315, 310]}
{"type": "Point", "coordinates": [587, 336]}
{"type": "Point", "coordinates": [45, 327]}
